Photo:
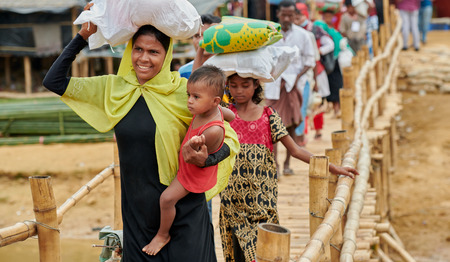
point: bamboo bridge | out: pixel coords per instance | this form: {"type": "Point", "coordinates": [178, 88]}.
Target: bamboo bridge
{"type": "Point", "coordinates": [330, 218]}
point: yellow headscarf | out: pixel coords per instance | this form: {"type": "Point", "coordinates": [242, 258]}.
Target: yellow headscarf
{"type": "Point", "coordinates": [103, 101]}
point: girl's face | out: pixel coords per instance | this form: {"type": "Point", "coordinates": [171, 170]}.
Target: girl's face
{"type": "Point", "coordinates": [201, 98]}
{"type": "Point", "coordinates": [241, 89]}
{"type": "Point", "coordinates": [147, 57]}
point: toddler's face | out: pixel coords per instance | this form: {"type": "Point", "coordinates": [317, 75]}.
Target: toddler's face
{"type": "Point", "coordinates": [200, 97]}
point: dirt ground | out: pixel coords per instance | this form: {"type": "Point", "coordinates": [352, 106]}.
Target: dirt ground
{"type": "Point", "coordinates": [420, 202]}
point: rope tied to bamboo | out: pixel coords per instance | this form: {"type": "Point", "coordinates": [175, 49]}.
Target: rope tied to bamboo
{"type": "Point", "coordinates": [43, 225]}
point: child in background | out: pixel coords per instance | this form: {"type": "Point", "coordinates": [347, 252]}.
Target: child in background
{"type": "Point", "coordinates": [251, 195]}
{"type": "Point", "coordinates": [205, 88]}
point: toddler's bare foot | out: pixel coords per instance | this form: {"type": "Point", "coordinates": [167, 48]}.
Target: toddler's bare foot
{"type": "Point", "coordinates": [156, 244]}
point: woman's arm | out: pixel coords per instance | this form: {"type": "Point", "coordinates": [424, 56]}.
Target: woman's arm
{"type": "Point", "coordinates": [302, 154]}
{"type": "Point", "coordinates": [56, 79]}
{"type": "Point", "coordinates": [200, 157]}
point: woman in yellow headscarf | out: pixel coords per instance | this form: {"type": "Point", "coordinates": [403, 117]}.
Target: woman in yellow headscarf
{"type": "Point", "coordinates": [146, 104]}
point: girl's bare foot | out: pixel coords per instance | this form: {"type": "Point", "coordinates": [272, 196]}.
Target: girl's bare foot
{"type": "Point", "coordinates": [156, 244]}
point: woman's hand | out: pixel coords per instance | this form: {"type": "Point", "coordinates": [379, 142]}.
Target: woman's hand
{"type": "Point", "coordinates": [195, 157]}
{"type": "Point", "coordinates": [87, 29]}
{"type": "Point", "coordinates": [346, 171]}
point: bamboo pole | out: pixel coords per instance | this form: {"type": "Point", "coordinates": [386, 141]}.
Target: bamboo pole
{"type": "Point", "coordinates": [83, 191]}
{"type": "Point", "coordinates": [346, 97]}
{"type": "Point", "coordinates": [118, 224]}
{"type": "Point", "coordinates": [340, 140]}
{"type": "Point", "coordinates": [268, 18]}
{"type": "Point", "coordinates": [386, 16]}
{"type": "Point", "coordinates": [394, 245]}
{"type": "Point", "coordinates": [23, 230]}
{"type": "Point", "coordinates": [383, 256]}
{"type": "Point", "coordinates": [385, 177]}
{"type": "Point", "coordinates": [245, 8]}
{"type": "Point", "coordinates": [335, 157]}
{"type": "Point", "coordinates": [109, 64]}
{"type": "Point", "coordinates": [8, 71]}
{"type": "Point", "coordinates": [46, 219]}
{"type": "Point", "coordinates": [348, 75]}
{"type": "Point", "coordinates": [318, 193]}
{"type": "Point", "coordinates": [274, 242]}
{"type": "Point", "coordinates": [27, 71]}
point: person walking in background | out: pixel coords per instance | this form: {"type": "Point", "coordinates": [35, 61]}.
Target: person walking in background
{"type": "Point", "coordinates": [409, 12]}
{"type": "Point", "coordinates": [353, 26]}
{"type": "Point", "coordinates": [324, 45]}
{"type": "Point", "coordinates": [284, 94]}
{"type": "Point", "coordinates": [335, 79]}
{"type": "Point", "coordinates": [425, 13]}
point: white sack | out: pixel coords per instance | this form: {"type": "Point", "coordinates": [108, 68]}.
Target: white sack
{"type": "Point", "coordinates": [118, 20]}
{"type": "Point", "coordinates": [266, 63]}
{"type": "Point", "coordinates": [345, 55]}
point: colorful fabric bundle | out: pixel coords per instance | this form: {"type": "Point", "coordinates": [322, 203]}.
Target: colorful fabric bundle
{"type": "Point", "coordinates": [237, 34]}
{"type": "Point", "coordinates": [328, 7]}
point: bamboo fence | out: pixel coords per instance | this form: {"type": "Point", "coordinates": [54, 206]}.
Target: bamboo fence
{"type": "Point", "coordinates": [359, 152]}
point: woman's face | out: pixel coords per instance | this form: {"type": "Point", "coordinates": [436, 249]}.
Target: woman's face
{"type": "Point", "coordinates": [241, 89]}
{"type": "Point", "coordinates": [147, 57]}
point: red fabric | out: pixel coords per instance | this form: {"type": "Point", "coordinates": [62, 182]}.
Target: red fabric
{"type": "Point", "coordinates": [256, 132]}
{"type": "Point", "coordinates": [193, 178]}
{"type": "Point", "coordinates": [318, 121]}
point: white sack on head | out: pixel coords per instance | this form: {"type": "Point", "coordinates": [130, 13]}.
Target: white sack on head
{"type": "Point", "coordinates": [118, 20]}
{"type": "Point", "coordinates": [265, 64]}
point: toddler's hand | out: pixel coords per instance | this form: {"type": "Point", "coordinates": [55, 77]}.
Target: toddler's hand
{"type": "Point", "coordinates": [196, 142]}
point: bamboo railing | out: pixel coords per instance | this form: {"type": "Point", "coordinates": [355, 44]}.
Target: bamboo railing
{"type": "Point", "coordinates": [369, 102]}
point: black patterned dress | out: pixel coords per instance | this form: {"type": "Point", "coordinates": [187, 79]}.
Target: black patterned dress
{"type": "Point", "coordinates": [251, 195]}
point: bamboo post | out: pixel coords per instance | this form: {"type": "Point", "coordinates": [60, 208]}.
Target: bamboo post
{"type": "Point", "coordinates": [74, 13]}
{"type": "Point", "coordinates": [268, 18]}
{"type": "Point", "coordinates": [393, 142]}
{"type": "Point", "coordinates": [318, 193]}
{"type": "Point", "coordinates": [8, 71]}
{"type": "Point", "coordinates": [46, 219]}
{"type": "Point", "coordinates": [274, 243]}
{"type": "Point", "coordinates": [340, 140]}
{"type": "Point", "coordinates": [109, 64]}
{"type": "Point", "coordinates": [118, 224]}
{"type": "Point", "coordinates": [84, 67]}
{"type": "Point", "coordinates": [355, 65]}
{"type": "Point", "coordinates": [386, 16]}
{"type": "Point", "coordinates": [394, 245]}
{"type": "Point", "coordinates": [346, 98]}
{"type": "Point", "coordinates": [245, 8]}
{"type": "Point", "coordinates": [385, 170]}
{"type": "Point", "coordinates": [27, 71]}
{"type": "Point", "coordinates": [348, 75]}
{"type": "Point", "coordinates": [335, 157]}
{"type": "Point", "coordinates": [393, 17]}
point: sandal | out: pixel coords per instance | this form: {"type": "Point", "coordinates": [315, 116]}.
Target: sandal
{"type": "Point", "coordinates": [288, 172]}
{"type": "Point", "coordinates": [317, 136]}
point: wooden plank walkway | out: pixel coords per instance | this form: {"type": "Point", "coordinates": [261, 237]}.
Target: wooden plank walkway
{"type": "Point", "coordinates": [293, 200]}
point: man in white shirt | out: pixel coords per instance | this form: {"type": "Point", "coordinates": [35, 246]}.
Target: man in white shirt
{"type": "Point", "coordinates": [284, 94]}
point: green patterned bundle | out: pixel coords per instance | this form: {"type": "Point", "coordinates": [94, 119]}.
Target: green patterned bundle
{"type": "Point", "coordinates": [237, 34]}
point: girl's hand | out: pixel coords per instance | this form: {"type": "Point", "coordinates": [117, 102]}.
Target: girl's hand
{"type": "Point", "coordinates": [200, 58]}
{"type": "Point", "coordinates": [87, 29]}
{"type": "Point", "coordinates": [346, 171]}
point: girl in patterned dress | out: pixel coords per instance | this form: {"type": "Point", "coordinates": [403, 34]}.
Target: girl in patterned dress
{"type": "Point", "coordinates": [251, 195]}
